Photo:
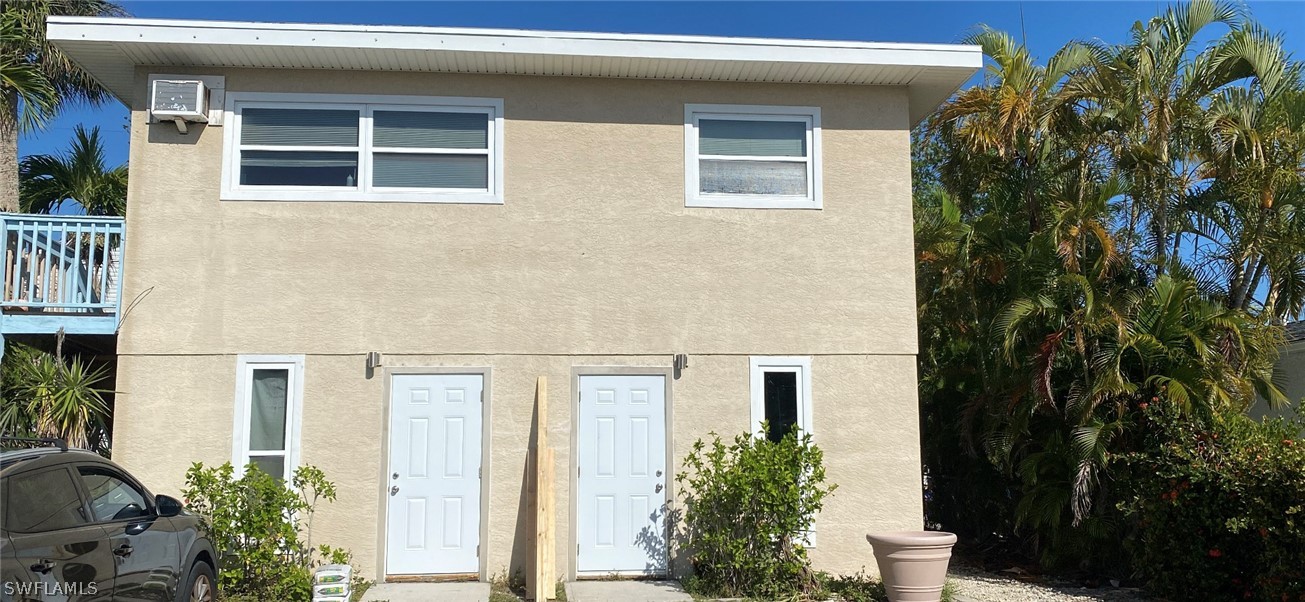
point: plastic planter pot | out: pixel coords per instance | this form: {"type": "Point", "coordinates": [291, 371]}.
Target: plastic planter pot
{"type": "Point", "coordinates": [913, 564]}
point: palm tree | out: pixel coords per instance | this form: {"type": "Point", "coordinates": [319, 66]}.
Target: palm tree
{"type": "Point", "coordinates": [1251, 215]}
{"type": "Point", "coordinates": [1015, 113]}
{"type": "Point", "coordinates": [1157, 87]}
{"type": "Point", "coordinates": [28, 84]}
{"type": "Point", "coordinates": [1043, 339]}
{"type": "Point", "coordinates": [46, 79]}
{"type": "Point", "coordinates": [79, 175]}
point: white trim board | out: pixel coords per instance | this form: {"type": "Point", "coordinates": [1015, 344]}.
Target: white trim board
{"type": "Point", "coordinates": [111, 48]}
{"type": "Point", "coordinates": [758, 365]}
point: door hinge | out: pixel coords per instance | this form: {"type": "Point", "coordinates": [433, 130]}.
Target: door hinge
{"type": "Point", "coordinates": [477, 550]}
{"type": "Point", "coordinates": [479, 474]}
{"type": "Point", "coordinates": [577, 550]}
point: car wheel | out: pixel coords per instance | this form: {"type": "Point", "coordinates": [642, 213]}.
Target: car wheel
{"type": "Point", "coordinates": [200, 586]}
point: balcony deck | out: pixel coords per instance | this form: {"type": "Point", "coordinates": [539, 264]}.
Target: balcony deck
{"type": "Point", "coordinates": [61, 272]}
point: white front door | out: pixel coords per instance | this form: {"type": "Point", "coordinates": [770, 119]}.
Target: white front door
{"type": "Point", "coordinates": [621, 485]}
{"type": "Point", "coordinates": [434, 474]}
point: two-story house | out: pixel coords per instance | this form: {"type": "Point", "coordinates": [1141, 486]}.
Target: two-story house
{"type": "Point", "coordinates": [382, 236]}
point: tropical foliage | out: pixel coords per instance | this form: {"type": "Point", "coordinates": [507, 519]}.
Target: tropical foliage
{"type": "Point", "coordinates": [47, 395]}
{"type": "Point", "coordinates": [1217, 507]}
{"type": "Point", "coordinates": [1111, 229]}
{"type": "Point", "coordinates": [81, 176]}
{"type": "Point", "coordinates": [36, 78]}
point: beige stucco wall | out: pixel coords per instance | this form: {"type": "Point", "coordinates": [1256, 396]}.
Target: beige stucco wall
{"type": "Point", "coordinates": [865, 420]}
{"type": "Point", "coordinates": [592, 260]}
{"type": "Point", "coordinates": [592, 252]}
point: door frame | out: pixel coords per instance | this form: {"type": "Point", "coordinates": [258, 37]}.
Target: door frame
{"type": "Point", "coordinates": [574, 476]}
{"type": "Point", "coordinates": [383, 485]}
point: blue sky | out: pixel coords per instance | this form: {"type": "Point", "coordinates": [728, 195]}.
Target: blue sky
{"type": "Point", "coordinates": [1045, 25]}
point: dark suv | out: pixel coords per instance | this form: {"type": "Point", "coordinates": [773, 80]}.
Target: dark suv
{"type": "Point", "coordinates": [74, 526]}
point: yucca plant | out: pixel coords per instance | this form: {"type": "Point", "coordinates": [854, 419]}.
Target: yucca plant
{"type": "Point", "coordinates": [48, 396]}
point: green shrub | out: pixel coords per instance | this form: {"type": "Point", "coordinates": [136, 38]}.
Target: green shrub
{"type": "Point", "coordinates": [262, 529]}
{"type": "Point", "coordinates": [747, 508]}
{"type": "Point", "coordinates": [1218, 508]}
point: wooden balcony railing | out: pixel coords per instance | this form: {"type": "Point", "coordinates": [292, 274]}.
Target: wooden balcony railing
{"type": "Point", "coordinates": [61, 271]}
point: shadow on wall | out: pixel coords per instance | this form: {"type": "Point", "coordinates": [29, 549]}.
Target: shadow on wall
{"type": "Point", "coordinates": [656, 546]}
{"type": "Point", "coordinates": [588, 100]}
{"type": "Point", "coordinates": [166, 133]}
{"type": "Point", "coordinates": [525, 531]}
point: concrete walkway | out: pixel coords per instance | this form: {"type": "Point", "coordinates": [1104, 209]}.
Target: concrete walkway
{"type": "Point", "coordinates": [626, 591]}
{"type": "Point", "coordinates": [463, 591]}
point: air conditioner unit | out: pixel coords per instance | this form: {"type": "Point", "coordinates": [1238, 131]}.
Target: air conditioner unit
{"type": "Point", "coordinates": [179, 101]}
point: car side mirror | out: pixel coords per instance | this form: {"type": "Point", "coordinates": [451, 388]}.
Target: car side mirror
{"type": "Point", "coordinates": [167, 506]}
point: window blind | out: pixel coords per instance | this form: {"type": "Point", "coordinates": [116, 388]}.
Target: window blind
{"type": "Point", "coordinates": [393, 170]}
{"type": "Point", "coordinates": [428, 129]}
{"type": "Point", "coordinates": [752, 138]}
{"type": "Point", "coordinates": [299, 127]}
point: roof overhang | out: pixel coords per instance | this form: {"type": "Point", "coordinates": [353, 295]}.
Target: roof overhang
{"type": "Point", "coordinates": [110, 49]}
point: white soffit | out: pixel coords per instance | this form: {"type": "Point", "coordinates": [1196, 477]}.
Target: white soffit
{"type": "Point", "coordinates": [111, 48]}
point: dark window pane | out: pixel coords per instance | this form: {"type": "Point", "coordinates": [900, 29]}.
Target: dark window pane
{"type": "Point", "coordinates": [298, 168]}
{"type": "Point", "coordinates": [428, 129]}
{"type": "Point", "coordinates": [41, 501]}
{"type": "Point", "coordinates": [299, 127]}
{"type": "Point", "coordinates": [111, 497]}
{"type": "Point", "coordinates": [781, 403]}
{"type": "Point", "coordinates": [754, 138]}
{"type": "Point", "coordinates": [431, 171]}
{"type": "Point", "coordinates": [268, 409]}
{"type": "Point", "coordinates": [273, 465]}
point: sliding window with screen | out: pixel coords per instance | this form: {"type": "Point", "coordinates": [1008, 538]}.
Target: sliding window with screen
{"type": "Point", "coordinates": [297, 147]}
{"type": "Point", "coordinates": [752, 157]}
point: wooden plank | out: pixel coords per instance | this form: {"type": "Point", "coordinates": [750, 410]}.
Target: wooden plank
{"type": "Point", "coordinates": [540, 575]}
{"type": "Point", "coordinates": [549, 541]}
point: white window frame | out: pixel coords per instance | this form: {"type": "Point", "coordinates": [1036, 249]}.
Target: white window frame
{"type": "Point", "coordinates": [366, 105]}
{"type": "Point", "coordinates": [245, 366]}
{"type": "Point", "coordinates": [759, 365]}
{"type": "Point", "coordinates": [693, 195]}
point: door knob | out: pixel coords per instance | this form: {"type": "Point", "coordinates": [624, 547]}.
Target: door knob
{"type": "Point", "coordinates": [394, 476]}
{"type": "Point", "coordinates": [659, 473]}
{"type": "Point", "coordinates": [394, 490]}
{"type": "Point", "coordinates": [659, 488]}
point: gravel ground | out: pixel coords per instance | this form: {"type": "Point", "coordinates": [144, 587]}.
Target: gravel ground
{"type": "Point", "coordinates": [974, 585]}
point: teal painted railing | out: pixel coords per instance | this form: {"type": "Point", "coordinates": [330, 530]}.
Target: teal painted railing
{"type": "Point", "coordinates": [61, 271]}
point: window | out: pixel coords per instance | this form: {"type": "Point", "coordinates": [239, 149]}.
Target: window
{"type": "Point", "coordinates": [781, 395]}
{"type": "Point", "coordinates": [296, 147]}
{"type": "Point", "coordinates": [41, 500]}
{"type": "Point", "coordinates": [112, 497]}
{"type": "Point", "coordinates": [752, 157]}
{"type": "Point", "coordinates": [269, 400]}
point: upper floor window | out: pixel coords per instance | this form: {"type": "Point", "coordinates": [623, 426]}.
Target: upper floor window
{"type": "Point", "coordinates": [295, 147]}
{"type": "Point", "coordinates": [752, 157]}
